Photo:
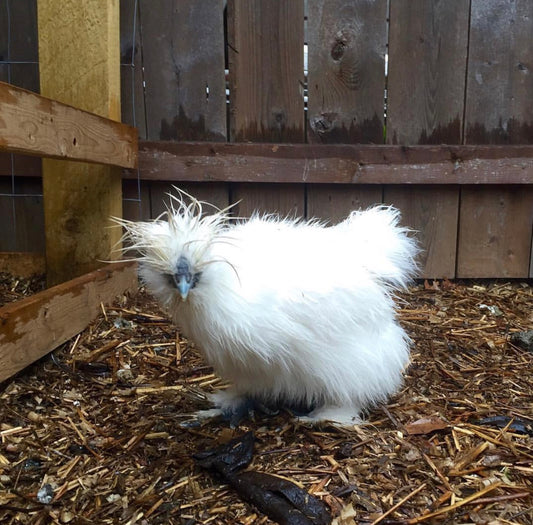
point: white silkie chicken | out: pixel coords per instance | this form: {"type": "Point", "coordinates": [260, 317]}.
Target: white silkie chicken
{"type": "Point", "coordinates": [292, 313]}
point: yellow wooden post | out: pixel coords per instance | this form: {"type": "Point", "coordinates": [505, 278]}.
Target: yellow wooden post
{"type": "Point", "coordinates": [79, 64]}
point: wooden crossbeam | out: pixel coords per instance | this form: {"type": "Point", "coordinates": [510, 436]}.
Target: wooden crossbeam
{"type": "Point", "coordinates": [79, 65]}
{"type": "Point", "coordinates": [32, 327]}
{"type": "Point", "coordinates": [342, 163]}
{"type": "Point", "coordinates": [35, 125]}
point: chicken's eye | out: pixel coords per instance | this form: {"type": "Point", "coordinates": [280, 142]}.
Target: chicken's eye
{"type": "Point", "coordinates": [195, 279]}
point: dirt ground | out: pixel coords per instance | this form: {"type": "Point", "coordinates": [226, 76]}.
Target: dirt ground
{"type": "Point", "coordinates": [93, 432]}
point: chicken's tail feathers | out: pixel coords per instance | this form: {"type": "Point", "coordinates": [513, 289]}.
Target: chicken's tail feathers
{"type": "Point", "coordinates": [389, 250]}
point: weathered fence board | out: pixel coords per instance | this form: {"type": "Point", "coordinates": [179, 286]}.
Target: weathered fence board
{"type": "Point", "coordinates": [495, 232]}
{"type": "Point", "coordinates": [36, 125]}
{"type": "Point", "coordinates": [4, 40]}
{"type": "Point", "coordinates": [131, 67]}
{"type": "Point", "coordinates": [136, 200]}
{"type": "Point", "coordinates": [346, 86]}
{"type": "Point", "coordinates": [18, 20]}
{"type": "Point", "coordinates": [333, 202]}
{"type": "Point", "coordinates": [433, 213]}
{"type": "Point", "coordinates": [495, 224]}
{"type": "Point", "coordinates": [20, 56]}
{"type": "Point", "coordinates": [427, 64]}
{"type": "Point", "coordinates": [265, 55]}
{"type": "Point", "coordinates": [287, 200]}
{"type": "Point", "coordinates": [21, 218]}
{"type": "Point", "coordinates": [23, 165]}
{"type": "Point", "coordinates": [183, 61]}
{"type": "Point", "coordinates": [336, 163]}
{"type": "Point", "coordinates": [500, 73]}
{"type": "Point", "coordinates": [347, 45]}
{"type": "Point", "coordinates": [22, 49]}
{"type": "Point", "coordinates": [36, 325]}
{"type": "Point", "coordinates": [182, 67]}
{"type": "Point", "coordinates": [22, 264]}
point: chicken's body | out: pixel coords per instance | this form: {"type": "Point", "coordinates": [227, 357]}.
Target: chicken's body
{"type": "Point", "coordinates": [290, 312]}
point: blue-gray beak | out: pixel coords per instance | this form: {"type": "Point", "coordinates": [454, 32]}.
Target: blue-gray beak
{"type": "Point", "coordinates": [183, 284]}
{"type": "Point", "coordinates": [183, 278]}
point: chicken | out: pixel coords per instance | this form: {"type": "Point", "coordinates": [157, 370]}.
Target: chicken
{"type": "Point", "coordinates": [292, 313]}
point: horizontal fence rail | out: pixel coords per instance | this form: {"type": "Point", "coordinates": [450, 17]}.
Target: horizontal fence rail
{"type": "Point", "coordinates": [36, 125]}
{"type": "Point", "coordinates": [341, 164]}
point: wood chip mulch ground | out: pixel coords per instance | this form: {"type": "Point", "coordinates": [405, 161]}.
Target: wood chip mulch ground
{"type": "Point", "coordinates": [93, 433]}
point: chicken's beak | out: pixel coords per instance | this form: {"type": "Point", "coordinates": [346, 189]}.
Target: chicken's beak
{"type": "Point", "coordinates": [183, 284]}
{"type": "Point", "coordinates": [183, 277]}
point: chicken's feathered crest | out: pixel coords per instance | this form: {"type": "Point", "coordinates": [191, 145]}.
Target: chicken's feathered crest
{"type": "Point", "coordinates": [181, 228]}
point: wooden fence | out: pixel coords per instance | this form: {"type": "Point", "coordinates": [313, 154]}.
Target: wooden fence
{"type": "Point", "coordinates": [458, 73]}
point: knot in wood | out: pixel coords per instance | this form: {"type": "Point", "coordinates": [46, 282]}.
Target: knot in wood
{"type": "Point", "coordinates": [323, 123]}
{"type": "Point", "coordinates": [279, 119]}
{"type": "Point", "coordinates": [337, 51]}
{"type": "Point", "coordinates": [72, 225]}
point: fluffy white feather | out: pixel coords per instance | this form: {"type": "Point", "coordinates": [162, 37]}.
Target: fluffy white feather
{"type": "Point", "coordinates": [290, 312]}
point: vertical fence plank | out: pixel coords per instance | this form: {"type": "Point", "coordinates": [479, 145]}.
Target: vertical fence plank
{"type": "Point", "coordinates": [433, 213]}
{"type": "Point", "coordinates": [425, 103]}
{"type": "Point", "coordinates": [500, 73]}
{"type": "Point", "coordinates": [131, 67]}
{"type": "Point", "coordinates": [22, 218]}
{"type": "Point", "coordinates": [346, 91]}
{"type": "Point", "coordinates": [8, 238]}
{"type": "Point", "coordinates": [495, 232]}
{"type": "Point", "coordinates": [347, 44]}
{"type": "Point", "coordinates": [282, 199]}
{"type": "Point", "coordinates": [136, 194]}
{"type": "Point", "coordinates": [79, 63]}
{"type": "Point", "coordinates": [183, 60]}
{"type": "Point", "coordinates": [334, 202]}
{"type": "Point", "coordinates": [437, 229]}
{"type": "Point", "coordinates": [427, 65]}
{"type": "Point", "coordinates": [132, 192]}
{"type": "Point", "coordinates": [185, 86]}
{"type": "Point", "coordinates": [287, 200]}
{"type": "Point", "coordinates": [496, 224]}
{"type": "Point", "coordinates": [18, 43]}
{"type": "Point", "coordinates": [265, 54]}
{"type": "Point", "coordinates": [4, 41]}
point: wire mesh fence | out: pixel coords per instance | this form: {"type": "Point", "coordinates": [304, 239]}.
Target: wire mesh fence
{"type": "Point", "coordinates": [21, 188]}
